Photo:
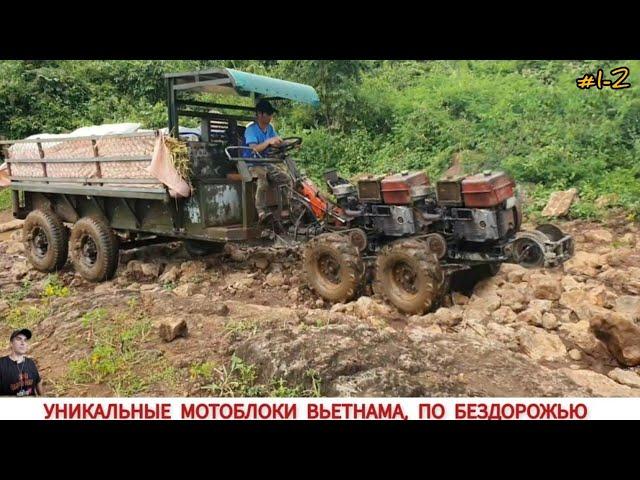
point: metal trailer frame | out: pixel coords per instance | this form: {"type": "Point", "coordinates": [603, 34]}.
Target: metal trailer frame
{"type": "Point", "coordinates": [219, 210]}
{"type": "Point", "coordinates": [222, 207]}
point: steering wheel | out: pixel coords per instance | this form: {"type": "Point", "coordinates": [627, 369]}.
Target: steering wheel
{"type": "Point", "coordinates": [287, 145]}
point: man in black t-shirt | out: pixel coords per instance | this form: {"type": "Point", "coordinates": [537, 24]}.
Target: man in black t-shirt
{"type": "Point", "coordinates": [18, 374]}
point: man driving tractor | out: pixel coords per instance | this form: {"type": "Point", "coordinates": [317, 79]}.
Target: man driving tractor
{"type": "Point", "coordinates": [260, 136]}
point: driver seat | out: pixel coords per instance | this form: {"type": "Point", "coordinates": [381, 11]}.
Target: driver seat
{"type": "Point", "coordinates": [238, 142]}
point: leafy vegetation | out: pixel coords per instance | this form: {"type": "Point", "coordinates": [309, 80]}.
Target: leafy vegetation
{"type": "Point", "coordinates": [118, 356]}
{"type": "Point", "coordinates": [5, 199]}
{"type": "Point", "coordinates": [240, 380]}
{"type": "Point", "coordinates": [13, 298]}
{"type": "Point", "coordinates": [29, 315]}
{"type": "Point", "coordinates": [527, 117]}
{"type": "Point", "coordinates": [202, 370]}
{"type": "Point", "coordinates": [26, 316]}
{"type": "Point", "coordinates": [53, 287]}
{"type": "Point", "coordinates": [235, 328]}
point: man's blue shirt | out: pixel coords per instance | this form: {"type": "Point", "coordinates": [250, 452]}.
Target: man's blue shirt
{"type": "Point", "coordinates": [254, 135]}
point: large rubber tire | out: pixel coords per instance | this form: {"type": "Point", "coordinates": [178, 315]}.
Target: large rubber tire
{"type": "Point", "coordinates": [199, 248]}
{"type": "Point", "coordinates": [333, 267]}
{"type": "Point", "coordinates": [409, 277]}
{"type": "Point", "coordinates": [45, 240]}
{"type": "Point", "coordinates": [94, 249]}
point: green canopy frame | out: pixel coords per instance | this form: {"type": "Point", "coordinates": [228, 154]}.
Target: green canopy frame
{"type": "Point", "coordinates": [227, 81]}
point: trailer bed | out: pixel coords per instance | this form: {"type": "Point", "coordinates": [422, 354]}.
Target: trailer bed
{"type": "Point", "coordinates": [109, 165]}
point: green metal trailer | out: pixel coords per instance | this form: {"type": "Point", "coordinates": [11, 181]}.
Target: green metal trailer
{"type": "Point", "coordinates": [110, 212]}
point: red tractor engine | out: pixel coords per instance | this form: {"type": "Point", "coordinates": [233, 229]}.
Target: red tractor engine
{"type": "Point", "coordinates": [413, 236]}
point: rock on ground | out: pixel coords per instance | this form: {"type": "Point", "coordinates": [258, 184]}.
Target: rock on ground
{"type": "Point", "coordinates": [625, 377]}
{"type": "Point", "coordinates": [359, 360]}
{"type": "Point", "coordinates": [599, 385]}
{"type": "Point", "coordinates": [142, 271]}
{"type": "Point", "coordinates": [15, 248]}
{"type": "Point", "coordinates": [599, 235]}
{"type": "Point", "coordinates": [580, 336]}
{"type": "Point", "coordinates": [504, 315]}
{"type": "Point", "coordinates": [628, 305]}
{"type": "Point", "coordinates": [171, 328]}
{"type": "Point", "coordinates": [531, 316]}
{"type": "Point", "coordinates": [185, 290]}
{"type": "Point", "coordinates": [11, 225]}
{"type": "Point", "coordinates": [621, 336]}
{"type": "Point", "coordinates": [584, 263]}
{"type": "Point", "coordinates": [541, 345]}
{"type": "Point", "coordinates": [545, 287]}
{"type": "Point", "coordinates": [171, 274]}
{"type": "Point", "coordinates": [559, 203]}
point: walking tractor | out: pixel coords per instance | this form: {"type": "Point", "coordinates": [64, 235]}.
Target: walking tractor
{"type": "Point", "coordinates": [399, 232]}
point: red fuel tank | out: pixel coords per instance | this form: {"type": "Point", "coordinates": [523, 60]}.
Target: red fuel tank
{"type": "Point", "coordinates": [396, 189]}
{"type": "Point", "coordinates": [487, 189]}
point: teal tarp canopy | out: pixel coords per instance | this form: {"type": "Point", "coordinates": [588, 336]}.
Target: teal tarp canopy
{"type": "Point", "coordinates": [230, 81]}
{"type": "Point", "coordinates": [274, 88]}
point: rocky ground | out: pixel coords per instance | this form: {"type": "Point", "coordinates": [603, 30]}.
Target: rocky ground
{"type": "Point", "coordinates": [243, 323]}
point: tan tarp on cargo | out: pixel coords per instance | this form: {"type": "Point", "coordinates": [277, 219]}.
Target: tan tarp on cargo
{"type": "Point", "coordinates": [149, 145]}
{"type": "Point", "coordinates": [81, 148]}
{"type": "Point", "coordinates": [162, 168]}
{"type": "Point", "coordinates": [4, 176]}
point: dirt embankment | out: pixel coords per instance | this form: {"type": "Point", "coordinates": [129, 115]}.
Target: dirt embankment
{"type": "Point", "coordinates": [245, 324]}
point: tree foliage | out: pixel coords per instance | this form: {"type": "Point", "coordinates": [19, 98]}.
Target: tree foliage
{"type": "Point", "coordinates": [527, 117]}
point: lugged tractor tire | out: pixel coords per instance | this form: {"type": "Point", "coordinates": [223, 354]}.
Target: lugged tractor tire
{"type": "Point", "coordinates": [94, 249]}
{"type": "Point", "coordinates": [333, 267]}
{"type": "Point", "coordinates": [409, 277]}
{"type": "Point", "coordinates": [45, 240]}
{"type": "Point", "coordinates": [200, 248]}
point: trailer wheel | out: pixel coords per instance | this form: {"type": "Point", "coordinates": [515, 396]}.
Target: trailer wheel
{"type": "Point", "coordinates": [200, 248]}
{"type": "Point", "coordinates": [409, 277]}
{"type": "Point", "coordinates": [94, 249]}
{"type": "Point", "coordinates": [333, 267]}
{"type": "Point", "coordinates": [45, 240]}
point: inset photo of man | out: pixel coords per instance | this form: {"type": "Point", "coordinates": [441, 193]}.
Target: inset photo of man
{"type": "Point", "coordinates": [18, 373]}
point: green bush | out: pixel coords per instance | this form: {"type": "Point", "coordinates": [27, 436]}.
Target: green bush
{"type": "Point", "coordinates": [5, 199]}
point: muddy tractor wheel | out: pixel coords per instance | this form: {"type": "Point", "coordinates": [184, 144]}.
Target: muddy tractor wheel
{"type": "Point", "coordinates": [94, 249]}
{"type": "Point", "coordinates": [333, 267]}
{"type": "Point", "coordinates": [409, 277]}
{"type": "Point", "coordinates": [45, 240]}
{"type": "Point", "coordinates": [199, 248]}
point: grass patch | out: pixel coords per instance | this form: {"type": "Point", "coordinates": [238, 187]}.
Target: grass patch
{"type": "Point", "coordinates": [202, 370]}
{"type": "Point", "coordinates": [16, 297]}
{"type": "Point", "coordinates": [26, 316]}
{"type": "Point", "coordinates": [5, 199]}
{"type": "Point", "coordinates": [235, 328]}
{"type": "Point", "coordinates": [54, 288]}
{"type": "Point", "coordinates": [239, 380]}
{"type": "Point", "coordinates": [118, 356]}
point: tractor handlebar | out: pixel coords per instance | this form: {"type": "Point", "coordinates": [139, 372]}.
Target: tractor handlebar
{"type": "Point", "coordinates": [228, 154]}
